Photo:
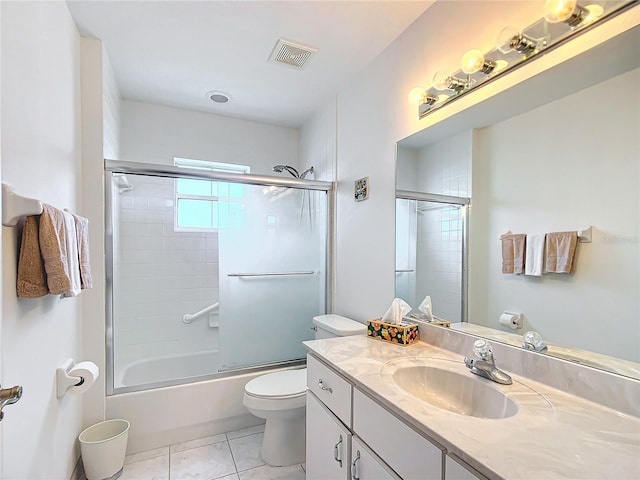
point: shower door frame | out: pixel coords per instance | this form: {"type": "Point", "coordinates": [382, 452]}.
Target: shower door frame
{"type": "Point", "coordinates": [465, 204]}
{"type": "Point", "coordinates": [170, 171]}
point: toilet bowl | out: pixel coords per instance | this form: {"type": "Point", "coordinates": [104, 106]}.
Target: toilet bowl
{"type": "Point", "coordinates": [280, 398]}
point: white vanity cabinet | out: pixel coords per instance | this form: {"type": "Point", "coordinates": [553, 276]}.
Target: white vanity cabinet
{"type": "Point", "coordinates": [366, 443]}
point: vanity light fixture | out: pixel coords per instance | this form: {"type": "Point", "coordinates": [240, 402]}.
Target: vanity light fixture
{"type": "Point", "coordinates": [419, 96]}
{"type": "Point", "coordinates": [562, 20]}
{"type": "Point", "coordinates": [510, 39]}
{"type": "Point", "coordinates": [444, 81]}
{"type": "Point", "coordinates": [567, 11]}
{"type": "Point", "coordinates": [474, 61]}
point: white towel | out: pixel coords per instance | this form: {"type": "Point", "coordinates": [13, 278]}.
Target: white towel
{"type": "Point", "coordinates": [73, 262]}
{"type": "Point", "coordinates": [535, 255]}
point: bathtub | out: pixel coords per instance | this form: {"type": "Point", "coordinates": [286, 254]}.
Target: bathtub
{"type": "Point", "coordinates": [161, 369]}
{"type": "Point", "coordinates": [179, 413]}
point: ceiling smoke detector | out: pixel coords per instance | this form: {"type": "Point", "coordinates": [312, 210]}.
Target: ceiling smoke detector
{"type": "Point", "coordinates": [291, 53]}
{"type": "Point", "coordinates": [218, 97]}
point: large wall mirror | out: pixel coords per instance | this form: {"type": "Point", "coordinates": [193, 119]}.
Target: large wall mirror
{"type": "Point", "coordinates": [557, 152]}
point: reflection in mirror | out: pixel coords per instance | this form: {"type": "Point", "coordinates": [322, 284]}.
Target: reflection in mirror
{"type": "Point", "coordinates": [431, 255]}
{"type": "Point", "coordinates": [541, 162]}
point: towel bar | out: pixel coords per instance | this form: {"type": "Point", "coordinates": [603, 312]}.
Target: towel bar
{"type": "Point", "coordinates": [584, 235]}
{"type": "Point", "coordinates": [15, 206]}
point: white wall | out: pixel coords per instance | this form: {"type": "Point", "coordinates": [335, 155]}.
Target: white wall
{"type": "Point", "coordinates": [564, 166]}
{"type": "Point", "coordinates": [317, 144]}
{"type": "Point", "coordinates": [41, 159]}
{"type": "Point", "coordinates": [157, 134]}
{"type": "Point", "coordinates": [112, 110]}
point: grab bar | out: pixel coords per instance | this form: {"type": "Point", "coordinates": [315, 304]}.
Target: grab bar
{"type": "Point", "coordinates": [190, 317]}
{"type": "Point", "coordinates": [269, 274]}
{"type": "Point", "coordinates": [405, 271]}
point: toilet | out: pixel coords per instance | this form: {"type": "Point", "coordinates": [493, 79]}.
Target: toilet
{"type": "Point", "coordinates": [280, 398]}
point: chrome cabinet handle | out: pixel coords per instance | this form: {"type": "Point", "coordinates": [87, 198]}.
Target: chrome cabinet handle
{"type": "Point", "coordinates": [336, 452]}
{"type": "Point", "coordinates": [9, 396]}
{"type": "Point", "coordinates": [354, 466]}
{"type": "Point", "coordinates": [322, 387]}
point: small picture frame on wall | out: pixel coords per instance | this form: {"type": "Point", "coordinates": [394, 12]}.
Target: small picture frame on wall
{"type": "Point", "coordinates": [361, 189]}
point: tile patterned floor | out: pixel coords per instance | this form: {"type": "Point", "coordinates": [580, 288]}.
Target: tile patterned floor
{"type": "Point", "coordinates": [230, 456]}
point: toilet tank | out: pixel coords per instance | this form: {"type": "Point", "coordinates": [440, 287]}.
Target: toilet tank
{"type": "Point", "coordinates": [331, 325]}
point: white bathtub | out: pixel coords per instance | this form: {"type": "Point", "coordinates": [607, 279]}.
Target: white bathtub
{"type": "Point", "coordinates": [161, 369]}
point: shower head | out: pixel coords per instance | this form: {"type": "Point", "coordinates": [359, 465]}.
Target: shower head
{"type": "Point", "coordinates": [306, 172]}
{"type": "Point", "coordinates": [291, 170]}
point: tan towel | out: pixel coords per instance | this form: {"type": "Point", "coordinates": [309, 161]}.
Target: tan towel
{"type": "Point", "coordinates": [73, 261]}
{"type": "Point", "coordinates": [513, 248]}
{"type": "Point", "coordinates": [31, 279]}
{"type": "Point", "coordinates": [53, 248]}
{"type": "Point", "coordinates": [561, 248]}
{"type": "Point", "coordinates": [82, 233]}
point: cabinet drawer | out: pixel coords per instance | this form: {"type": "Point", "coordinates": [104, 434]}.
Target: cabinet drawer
{"type": "Point", "coordinates": [333, 390]}
{"type": "Point", "coordinates": [408, 453]}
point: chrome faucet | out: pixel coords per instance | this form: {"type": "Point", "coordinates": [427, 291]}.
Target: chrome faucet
{"type": "Point", "coordinates": [485, 364]}
{"type": "Point", "coordinates": [533, 341]}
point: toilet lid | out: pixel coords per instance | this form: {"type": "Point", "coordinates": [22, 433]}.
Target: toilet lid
{"type": "Point", "coordinates": [279, 384]}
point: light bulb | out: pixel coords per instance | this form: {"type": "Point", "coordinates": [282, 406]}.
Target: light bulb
{"type": "Point", "coordinates": [416, 95]}
{"type": "Point", "coordinates": [510, 39]}
{"type": "Point", "coordinates": [473, 61]}
{"type": "Point", "coordinates": [568, 11]}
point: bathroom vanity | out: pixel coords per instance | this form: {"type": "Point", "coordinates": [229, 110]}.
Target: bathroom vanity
{"type": "Point", "coordinates": [377, 411]}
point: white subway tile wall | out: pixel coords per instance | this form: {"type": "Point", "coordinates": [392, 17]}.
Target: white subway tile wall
{"type": "Point", "coordinates": [160, 275]}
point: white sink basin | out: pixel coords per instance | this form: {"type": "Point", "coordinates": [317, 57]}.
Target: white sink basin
{"type": "Point", "coordinates": [464, 394]}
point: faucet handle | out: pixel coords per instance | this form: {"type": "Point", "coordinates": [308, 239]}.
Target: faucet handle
{"type": "Point", "coordinates": [482, 349]}
{"type": "Point", "coordinates": [533, 341]}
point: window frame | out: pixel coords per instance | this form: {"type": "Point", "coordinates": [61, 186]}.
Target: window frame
{"type": "Point", "coordinates": [210, 166]}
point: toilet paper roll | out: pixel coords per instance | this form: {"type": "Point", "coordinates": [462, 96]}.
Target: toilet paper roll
{"type": "Point", "coordinates": [511, 320]}
{"type": "Point", "coordinates": [88, 371]}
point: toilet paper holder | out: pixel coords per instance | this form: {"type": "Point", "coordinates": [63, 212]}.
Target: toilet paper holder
{"type": "Point", "coordinates": [64, 381]}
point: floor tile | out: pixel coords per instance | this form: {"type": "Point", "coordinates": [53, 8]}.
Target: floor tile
{"type": "Point", "coordinates": [267, 472]}
{"type": "Point", "coordinates": [245, 432]}
{"type": "Point", "coordinates": [200, 442]}
{"type": "Point", "coordinates": [229, 477]}
{"type": "Point", "coordinates": [151, 469]}
{"type": "Point", "coordinates": [203, 463]}
{"type": "Point", "coordinates": [246, 451]}
{"type": "Point", "coordinates": [138, 457]}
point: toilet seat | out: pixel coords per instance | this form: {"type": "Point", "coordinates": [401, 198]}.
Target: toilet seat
{"type": "Point", "coordinates": [278, 385]}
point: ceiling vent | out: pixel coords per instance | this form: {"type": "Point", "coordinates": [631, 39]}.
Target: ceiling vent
{"type": "Point", "coordinates": [292, 54]}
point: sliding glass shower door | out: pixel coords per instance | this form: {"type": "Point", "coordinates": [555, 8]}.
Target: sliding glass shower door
{"type": "Point", "coordinates": [209, 272]}
{"type": "Point", "coordinates": [272, 275]}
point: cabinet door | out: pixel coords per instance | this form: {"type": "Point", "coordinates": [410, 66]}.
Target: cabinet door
{"type": "Point", "coordinates": [456, 469]}
{"type": "Point", "coordinates": [408, 453]}
{"type": "Point", "coordinates": [365, 465]}
{"type": "Point", "coordinates": [328, 442]}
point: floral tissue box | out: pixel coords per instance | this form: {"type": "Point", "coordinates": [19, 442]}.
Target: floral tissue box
{"type": "Point", "coordinates": [404, 334]}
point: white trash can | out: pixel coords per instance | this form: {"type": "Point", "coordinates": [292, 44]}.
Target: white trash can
{"type": "Point", "coordinates": [103, 447]}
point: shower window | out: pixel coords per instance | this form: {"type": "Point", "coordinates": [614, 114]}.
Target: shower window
{"type": "Point", "coordinates": [203, 205]}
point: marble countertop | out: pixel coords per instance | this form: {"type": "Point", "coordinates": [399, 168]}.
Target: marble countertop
{"type": "Point", "coordinates": [554, 435]}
